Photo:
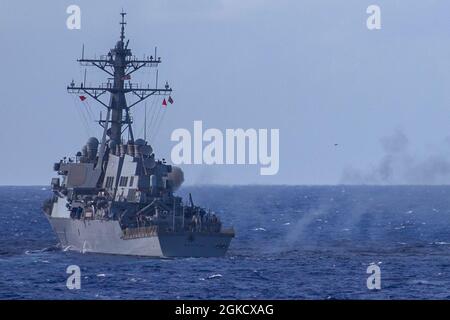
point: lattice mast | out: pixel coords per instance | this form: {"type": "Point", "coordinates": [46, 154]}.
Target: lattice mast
{"type": "Point", "coordinates": [119, 63]}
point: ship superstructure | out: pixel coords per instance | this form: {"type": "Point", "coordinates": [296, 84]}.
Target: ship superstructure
{"type": "Point", "coordinates": [114, 196]}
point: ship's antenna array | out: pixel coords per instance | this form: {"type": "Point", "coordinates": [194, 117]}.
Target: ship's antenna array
{"type": "Point", "coordinates": [119, 64]}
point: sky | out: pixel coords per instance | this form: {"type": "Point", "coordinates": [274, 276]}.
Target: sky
{"type": "Point", "coordinates": [352, 105]}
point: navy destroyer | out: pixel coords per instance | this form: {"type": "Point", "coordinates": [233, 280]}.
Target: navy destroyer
{"type": "Point", "coordinates": [114, 196]}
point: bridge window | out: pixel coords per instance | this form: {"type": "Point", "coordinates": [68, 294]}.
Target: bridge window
{"type": "Point", "coordinates": [123, 181]}
{"type": "Point", "coordinates": [109, 182]}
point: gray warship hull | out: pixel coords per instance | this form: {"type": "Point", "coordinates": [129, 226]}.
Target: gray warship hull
{"type": "Point", "coordinates": [115, 196]}
{"type": "Point", "coordinates": [106, 237]}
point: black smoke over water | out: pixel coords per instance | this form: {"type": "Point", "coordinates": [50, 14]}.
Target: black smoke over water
{"type": "Point", "coordinates": [399, 166]}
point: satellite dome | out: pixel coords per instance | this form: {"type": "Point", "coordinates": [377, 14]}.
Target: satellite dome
{"type": "Point", "coordinates": [92, 142]}
{"type": "Point", "coordinates": [146, 150]}
{"type": "Point", "coordinates": [149, 163]}
{"type": "Point", "coordinates": [140, 142]}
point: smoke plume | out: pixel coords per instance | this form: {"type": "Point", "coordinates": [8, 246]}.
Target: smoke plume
{"type": "Point", "coordinates": [176, 177]}
{"type": "Point", "coordinates": [399, 166]}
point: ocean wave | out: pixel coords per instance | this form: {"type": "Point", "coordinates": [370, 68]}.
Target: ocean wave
{"type": "Point", "coordinates": [424, 282]}
{"type": "Point", "coordinates": [441, 243]}
{"type": "Point", "coordinates": [37, 251]}
{"type": "Point", "coordinates": [213, 276]}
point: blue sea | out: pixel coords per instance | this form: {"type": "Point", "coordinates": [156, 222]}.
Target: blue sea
{"type": "Point", "coordinates": [292, 242]}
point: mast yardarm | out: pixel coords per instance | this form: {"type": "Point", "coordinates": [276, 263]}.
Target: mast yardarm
{"type": "Point", "coordinates": [119, 63]}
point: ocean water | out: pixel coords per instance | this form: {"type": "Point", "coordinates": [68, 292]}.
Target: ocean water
{"type": "Point", "coordinates": [292, 243]}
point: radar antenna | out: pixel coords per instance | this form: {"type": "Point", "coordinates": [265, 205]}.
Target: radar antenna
{"type": "Point", "coordinates": [119, 63]}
